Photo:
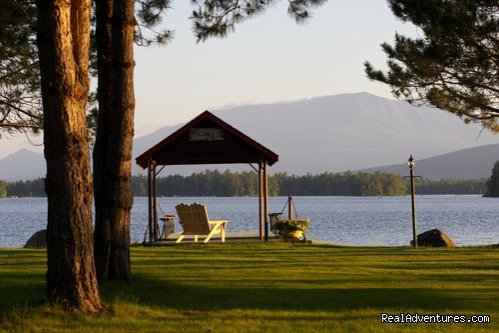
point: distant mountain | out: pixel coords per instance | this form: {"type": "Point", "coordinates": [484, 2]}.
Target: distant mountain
{"type": "Point", "coordinates": [471, 163]}
{"type": "Point", "coordinates": [23, 164]}
{"type": "Point", "coordinates": [331, 133]}
{"type": "Point", "coordinates": [341, 132]}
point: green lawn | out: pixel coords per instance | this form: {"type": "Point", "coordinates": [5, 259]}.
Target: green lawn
{"type": "Point", "coordinates": [274, 287]}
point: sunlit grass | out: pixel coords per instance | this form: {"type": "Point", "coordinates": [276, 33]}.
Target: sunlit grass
{"type": "Point", "coordinates": [257, 287]}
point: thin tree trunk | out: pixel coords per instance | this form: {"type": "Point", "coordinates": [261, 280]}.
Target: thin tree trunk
{"type": "Point", "coordinates": [113, 145]}
{"type": "Point", "coordinates": [104, 12]}
{"type": "Point", "coordinates": [63, 43]}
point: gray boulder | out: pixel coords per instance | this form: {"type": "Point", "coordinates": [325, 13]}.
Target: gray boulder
{"type": "Point", "coordinates": [38, 240]}
{"type": "Point", "coordinates": [434, 238]}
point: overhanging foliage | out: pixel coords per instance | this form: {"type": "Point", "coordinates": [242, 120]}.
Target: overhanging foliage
{"type": "Point", "coordinates": [454, 65]}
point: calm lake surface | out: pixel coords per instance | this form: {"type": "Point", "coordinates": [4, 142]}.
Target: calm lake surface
{"type": "Point", "coordinates": [467, 219]}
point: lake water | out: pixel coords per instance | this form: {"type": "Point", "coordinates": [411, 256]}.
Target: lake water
{"type": "Point", "coordinates": [467, 219]}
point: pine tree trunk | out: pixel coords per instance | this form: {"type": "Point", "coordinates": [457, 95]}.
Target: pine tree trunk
{"type": "Point", "coordinates": [63, 43]}
{"type": "Point", "coordinates": [113, 145]}
{"type": "Point", "coordinates": [104, 10]}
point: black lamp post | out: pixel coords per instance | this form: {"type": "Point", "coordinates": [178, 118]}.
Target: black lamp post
{"type": "Point", "coordinates": [411, 164]}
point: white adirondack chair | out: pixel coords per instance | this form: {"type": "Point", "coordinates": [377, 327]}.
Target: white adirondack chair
{"type": "Point", "coordinates": [195, 222]}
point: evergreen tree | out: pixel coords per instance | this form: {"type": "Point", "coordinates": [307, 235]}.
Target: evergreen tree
{"type": "Point", "coordinates": [3, 189]}
{"type": "Point", "coordinates": [115, 26]}
{"type": "Point", "coordinates": [20, 100]}
{"type": "Point", "coordinates": [246, 184]}
{"type": "Point", "coordinates": [139, 186]}
{"type": "Point", "coordinates": [215, 18]}
{"type": "Point", "coordinates": [492, 184]}
{"type": "Point", "coordinates": [454, 64]}
{"type": "Point", "coordinates": [63, 40]}
{"type": "Point", "coordinates": [20, 86]}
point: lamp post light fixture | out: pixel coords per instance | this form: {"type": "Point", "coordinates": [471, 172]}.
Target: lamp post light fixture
{"type": "Point", "coordinates": [411, 164]}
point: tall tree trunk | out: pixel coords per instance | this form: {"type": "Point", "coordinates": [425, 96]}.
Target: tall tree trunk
{"type": "Point", "coordinates": [104, 12]}
{"type": "Point", "coordinates": [63, 43]}
{"type": "Point", "coordinates": [113, 145]}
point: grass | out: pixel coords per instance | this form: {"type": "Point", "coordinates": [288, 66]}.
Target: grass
{"type": "Point", "coordinates": [257, 287]}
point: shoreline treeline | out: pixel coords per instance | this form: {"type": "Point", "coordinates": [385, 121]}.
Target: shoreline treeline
{"type": "Point", "coordinates": [227, 183]}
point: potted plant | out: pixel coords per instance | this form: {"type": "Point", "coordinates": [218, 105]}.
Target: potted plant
{"type": "Point", "coordinates": [290, 228]}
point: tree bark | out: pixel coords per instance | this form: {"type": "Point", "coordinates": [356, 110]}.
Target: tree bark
{"type": "Point", "coordinates": [113, 144]}
{"type": "Point", "coordinates": [63, 44]}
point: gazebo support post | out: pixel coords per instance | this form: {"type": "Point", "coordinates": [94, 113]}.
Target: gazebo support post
{"type": "Point", "coordinates": [155, 203]}
{"type": "Point", "coordinates": [149, 201]}
{"type": "Point", "coordinates": [266, 199]}
{"type": "Point", "coordinates": [260, 199]}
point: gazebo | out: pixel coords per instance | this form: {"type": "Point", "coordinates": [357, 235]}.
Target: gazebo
{"type": "Point", "coordinates": [207, 139]}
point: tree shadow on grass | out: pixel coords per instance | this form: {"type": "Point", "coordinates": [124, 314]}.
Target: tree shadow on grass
{"type": "Point", "coordinates": [159, 293]}
{"type": "Point", "coordinates": [148, 291]}
{"type": "Point", "coordinates": [21, 289]}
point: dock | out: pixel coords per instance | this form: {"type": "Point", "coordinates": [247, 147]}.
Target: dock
{"type": "Point", "coordinates": [230, 237]}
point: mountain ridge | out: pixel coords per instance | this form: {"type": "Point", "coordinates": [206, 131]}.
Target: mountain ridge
{"type": "Point", "coordinates": [473, 163]}
{"type": "Point", "coordinates": [327, 133]}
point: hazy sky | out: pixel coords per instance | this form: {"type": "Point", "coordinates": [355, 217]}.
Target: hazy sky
{"type": "Point", "coordinates": [267, 59]}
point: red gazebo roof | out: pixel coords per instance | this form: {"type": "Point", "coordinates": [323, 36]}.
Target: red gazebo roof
{"type": "Point", "coordinates": [207, 139]}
